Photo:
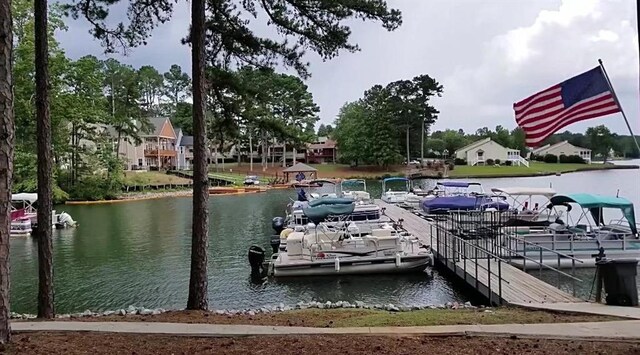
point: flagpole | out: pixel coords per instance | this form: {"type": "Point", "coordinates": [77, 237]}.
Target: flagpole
{"type": "Point", "coordinates": [615, 97]}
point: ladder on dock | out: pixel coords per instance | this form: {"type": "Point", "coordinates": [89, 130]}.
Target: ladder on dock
{"type": "Point", "coordinates": [478, 264]}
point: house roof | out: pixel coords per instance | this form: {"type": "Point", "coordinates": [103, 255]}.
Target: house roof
{"type": "Point", "coordinates": [157, 124]}
{"type": "Point", "coordinates": [186, 141]}
{"type": "Point", "coordinates": [327, 144]}
{"type": "Point", "coordinates": [539, 149]}
{"type": "Point", "coordinates": [559, 144]}
{"type": "Point", "coordinates": [300, 167]}
{"type": "Point", "coordinates": [473, 145]}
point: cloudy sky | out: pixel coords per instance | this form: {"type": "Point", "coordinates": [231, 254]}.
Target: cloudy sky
{"type": "Point", "coordinates": [488, 54]}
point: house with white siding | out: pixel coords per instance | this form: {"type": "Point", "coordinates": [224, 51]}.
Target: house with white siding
{"type": "Point", "coordinates": [478, 152]}
{"type": "Point", "coordinates": [563, 148]}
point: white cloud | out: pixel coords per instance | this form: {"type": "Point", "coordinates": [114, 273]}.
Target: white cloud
{"type": "Point", "coordinates": [558, 44]}
{"type": "Point", "coordinates": [487, 54]}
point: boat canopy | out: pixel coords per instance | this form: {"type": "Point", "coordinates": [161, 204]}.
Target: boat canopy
{"type": "Point", "coordinates": [595, 204]}
{"type": "Point", "coordinates": [319, 212]}
{"type": "Point", "coordinates": [395, 179]}
{"type": "Point", "coordinates": [330, 201]}
{"type": "Point", "coordinates": [454, 183]}
{"type": "Point", "coordinates": [353, 182]}
{"type": "Point", "coordinates": [29, 197]}
{"type": "Point", "coordinates": [322, 181]}
{"type": "Point", "coordinates": [525, 191]}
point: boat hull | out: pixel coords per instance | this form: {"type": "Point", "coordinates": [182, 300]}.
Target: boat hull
{"type": "Point", "coordinates": [352, 266]}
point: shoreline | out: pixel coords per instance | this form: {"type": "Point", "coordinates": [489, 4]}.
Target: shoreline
{"type": "Point", "coordinates": [226, 191]}
{"type": "Point", "coordinates": [142, 196]}
{"type": "Point", "coordinates": [550, 173]}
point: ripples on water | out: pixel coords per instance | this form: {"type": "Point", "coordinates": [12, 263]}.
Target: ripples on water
{"type": "Point", "coordinates": [138, 253]}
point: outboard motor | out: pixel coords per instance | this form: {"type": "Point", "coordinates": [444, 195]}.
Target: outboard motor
{"type": "Point", "coordinates": [277, 223]}
{"type": "Point", "coordinates": [65, 221]}
{"type": "Point", "coordinates": [256, 260]}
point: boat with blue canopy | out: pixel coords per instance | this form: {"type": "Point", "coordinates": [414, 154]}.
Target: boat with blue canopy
{"type": "Point", "coordinates": [461, 196]}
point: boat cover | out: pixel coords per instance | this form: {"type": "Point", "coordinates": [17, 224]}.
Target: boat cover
{"type": "Point", "coordinates": [461, 203]}
{"type": "Point", "coordinates": [453, 184]}
{"type": "Point", "coordinates": [320, 213]}
{"type": "Point", "coordinates": [330, 201]}
{"type": "Point", "coordinates": [595, 204]}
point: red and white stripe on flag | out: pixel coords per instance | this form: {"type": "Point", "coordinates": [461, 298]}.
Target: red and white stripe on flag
{"type": "Point", "coordinates": [580, 98]}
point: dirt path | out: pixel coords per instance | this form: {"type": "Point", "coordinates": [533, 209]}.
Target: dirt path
{"type": "Point", "coordinates": [85, 343]}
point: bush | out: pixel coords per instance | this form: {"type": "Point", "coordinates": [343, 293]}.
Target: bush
{"type": "Point", "coordinates": [537, 157]}
{"type": "Point", "coordinates": [508, 163]}
{"type": "Point", "coordinates": [490, 161]}
{"type": "Point", "coordinates": [451, 166]}
{"type": "Point", "coordinates": [59, 195]}
{"type": "Point", "coordinates": [572, 159]}
{"type": "Point", "coordinates": [497, 161]}
{"type": "Point", "coordinates": [458, 161]}
{"type": "Point", "coordinates": [95, 188]}
{"type": "Point", "coordinates": [550, 158]}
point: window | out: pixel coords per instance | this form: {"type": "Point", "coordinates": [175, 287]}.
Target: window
{"type": "Point", "coordinates": [140, 162]}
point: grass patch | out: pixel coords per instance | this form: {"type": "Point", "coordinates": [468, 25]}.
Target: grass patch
{"type": "Point", "coordinates": [533, 169]}
{"type": "Point", "coordinates": [367, 317]}
{"type": "Point", "coordinates": [152, 178]}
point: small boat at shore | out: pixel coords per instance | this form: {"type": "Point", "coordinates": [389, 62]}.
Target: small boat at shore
{"type": "Point", "coordinates": [27, 202]}
{"type": "Point", "coordinates": [20, 223]}
{"type": "Point", "coordinates": [323, 249]}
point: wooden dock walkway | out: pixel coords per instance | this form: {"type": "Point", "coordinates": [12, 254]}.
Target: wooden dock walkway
{"type": "Point", "coordinates": [494, 278]}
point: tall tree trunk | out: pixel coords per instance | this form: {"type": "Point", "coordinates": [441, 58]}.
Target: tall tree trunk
{"type": "Point", "coordinates": [200, 230]}
{"type": "Point", "coordinates": [6, 161]}
{"type": "Point", "coordinates": [250, 153]}
{"type": "Point", "coordinates": [422, 145]}
{"type": "Point", "coordinates": [408, 155]}
{"type": "Point", "coordinates": [43, 131]}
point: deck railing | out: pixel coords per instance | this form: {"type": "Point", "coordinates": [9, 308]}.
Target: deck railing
{"type": "Point", "coordinates": [479, 237]}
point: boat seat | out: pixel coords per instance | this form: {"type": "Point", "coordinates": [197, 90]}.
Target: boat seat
{"type": "Point", "coordinates": [380, 232]}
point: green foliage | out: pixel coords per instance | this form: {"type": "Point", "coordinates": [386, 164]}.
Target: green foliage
{"type": "Point", "coordinates": [550, 158]}
{"type": "Point", "coordinates": [497, 161]}
{"type": "Point", "coordinates": [508, 163]}
{"type": "Point", "coordinates": [367, 130]}
{"type": "Point", "coordinates": [325, 131]}
{"type": "Point", "coordinates": [601, 140]}
{"type": "Point", "coordinates": [490, 162]}
{"type": "Point", "coordinates": [176, 87]}
{"type": "Point", "coordinates": [458, 161]}
{"type": "Point", "coordinates": [571, 159]}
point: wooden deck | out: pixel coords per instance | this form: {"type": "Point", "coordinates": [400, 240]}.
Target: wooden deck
{"type": "Point", "coordinates": [498, 281]}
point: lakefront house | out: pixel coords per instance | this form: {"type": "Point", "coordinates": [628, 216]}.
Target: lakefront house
{"type": "Point", "coordinates": [479, 152]}
{"type": "Point", "coordinates": [157, 150]}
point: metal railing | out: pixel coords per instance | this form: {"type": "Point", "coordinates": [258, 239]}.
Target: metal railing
{"type": "Point", "coordinates": [451, 249]}
{"type": "Point", "coordinates": [480, 236]}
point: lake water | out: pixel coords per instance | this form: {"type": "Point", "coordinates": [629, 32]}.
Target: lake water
{"type": "Point", "coordinates": [138, 253]}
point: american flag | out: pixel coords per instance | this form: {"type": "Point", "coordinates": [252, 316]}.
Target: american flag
{"type": "Point", "coordinates": [582, 97]}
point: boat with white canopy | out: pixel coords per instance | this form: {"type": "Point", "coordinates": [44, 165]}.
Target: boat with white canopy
{"type": "Point", "coordinates": [528, 205]}
{"type": "Point", "coordinates": [27, 204]}
{"type": "Point", "coordinates": [403, 196]}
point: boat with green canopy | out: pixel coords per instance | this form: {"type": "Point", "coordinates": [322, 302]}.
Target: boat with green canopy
{"type": "Point", "coordinates": [581, 230]}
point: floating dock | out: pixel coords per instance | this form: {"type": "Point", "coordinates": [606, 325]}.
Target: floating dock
{"type": "Point", "coordinates": [490, 275]}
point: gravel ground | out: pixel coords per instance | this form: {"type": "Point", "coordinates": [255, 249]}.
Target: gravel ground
{"type": "Point", "coordinates": [108, 343]}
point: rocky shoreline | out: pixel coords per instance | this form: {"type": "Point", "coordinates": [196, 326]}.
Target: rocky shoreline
{"type": "Point", "coordinates": [133, 310]}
